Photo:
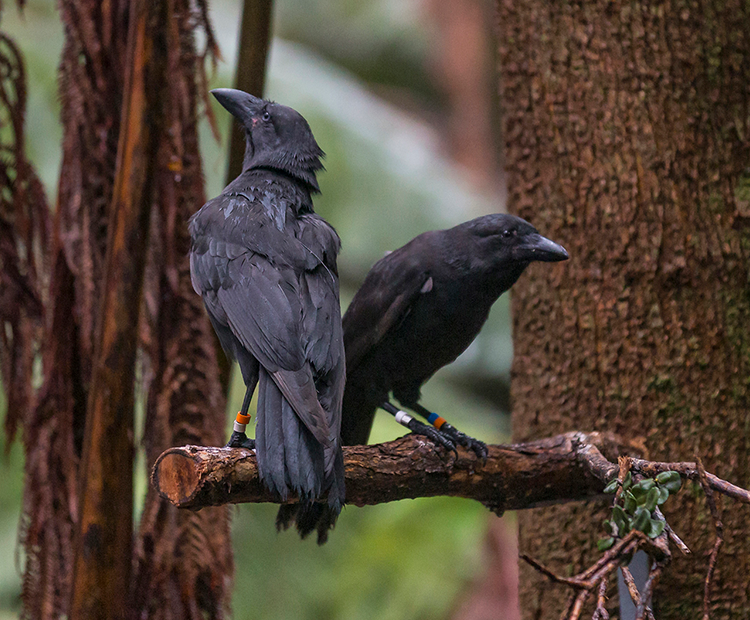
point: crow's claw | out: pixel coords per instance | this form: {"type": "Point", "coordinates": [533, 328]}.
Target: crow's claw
{"type": "Point", "coordinates": [240, 440]}
{"type": "Point", "coordinates": [435, 435]}
{"type": "Point", "coordinates": [477, 447]}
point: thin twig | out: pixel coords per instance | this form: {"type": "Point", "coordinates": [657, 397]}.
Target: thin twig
{"type": "Point", "coordinates": [643, 610]}
{"type": "Point", "coordinates": [580, 599]}
{"type": "Point", "coordinates": [601, 613]}
{"type": "Point", "coordinates": [690, 470]}
{"type": "Point", "coordinates": [627, 576]}
{"type": "Point", "coordinates": [719, 526]}
{"type": "Point", "coordinates": [671, 533]}
{"type": "Point", "coordinates": [573, 582]}
{"type": "Point", "coordinates": [617, 551]}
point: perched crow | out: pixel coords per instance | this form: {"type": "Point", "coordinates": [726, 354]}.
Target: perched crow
{"type": "Point", "coordinates": [265, 265]}
{"type": "Point", "coordinates": [420, 307]}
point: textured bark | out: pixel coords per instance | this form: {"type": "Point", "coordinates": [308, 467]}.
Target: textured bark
{"type": "Point", "coordinates": [91, 90]}
{"type": "Point", "coordinates": [627, 134]}
{"type": "Point", "coordinates": [176, 552]}
{"type": "Point", "coordinates": [520, 476]}
{"type": "Point", "coordinates": [183, 560]}
{"type": "Point", "coordinates": [90, 85]}
{"type": "Point", "coordinates": [103, 541]}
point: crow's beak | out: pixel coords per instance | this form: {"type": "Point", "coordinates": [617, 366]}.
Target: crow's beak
{"type": "Point", "coordinates": [535, 247]}
{"type": "Point", "coordinates": [242, 105]}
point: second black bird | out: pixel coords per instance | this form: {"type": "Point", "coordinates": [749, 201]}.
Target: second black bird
{"type": "Point", "coordinates": [420, 307]}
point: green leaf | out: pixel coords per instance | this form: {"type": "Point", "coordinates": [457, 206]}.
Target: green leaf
{"type": "Point", "coordinates": [673, 483]}
{"type": "Point", "coordinates": [609, 527]}
{"type": "Point", "coordinates": [645, 485]}
{"type": "Point", "coordinates": [655, 528]}
{"type": "Point", "coordinates": [626, 484]}
{"type": "Point", "coordinates": [663, 496]}
{"type": "Point", "coordinates": [629, 503]}
{"type": "Point", "coordinates": [611, 486]}
{"type": "Point", "coordinates": [605, 543]}
{"type": "Point", "coordinates": [639, 493]}
{"type": "Point", "coordinates": [641, 519]}
{"type": "Point", "coordinates": [620, 519]}
{"type": "Point", "coordinates": [652, 499]}
{"type": "Point", "coordinates": [670, 480]}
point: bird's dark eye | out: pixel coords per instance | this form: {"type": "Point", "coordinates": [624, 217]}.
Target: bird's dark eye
{"type": "Point", "coordinates": [508, 233]}
{"type": "Point", "coordinates": [266, 116]}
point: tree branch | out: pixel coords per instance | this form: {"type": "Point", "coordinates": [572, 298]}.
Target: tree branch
{"type": "Point", "coordinates": [562, 468]}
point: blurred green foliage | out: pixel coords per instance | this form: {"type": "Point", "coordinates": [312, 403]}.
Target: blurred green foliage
{"type": "Point", "coordinates": [386, 181]}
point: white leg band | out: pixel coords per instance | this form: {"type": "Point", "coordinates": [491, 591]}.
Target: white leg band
{"type": "Point", "coordinates": [240, 428]}
{"type": "Point", "coordinates": [403, 418]}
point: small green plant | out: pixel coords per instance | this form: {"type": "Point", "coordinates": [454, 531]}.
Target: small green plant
{"type": "Point", "coordinates": [635, 508]}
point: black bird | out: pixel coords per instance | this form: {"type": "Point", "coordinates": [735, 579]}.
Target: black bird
{"type": "Point", "coordinates": [265, 265]}
{"type": "Point", "coordinates": [420, 307]}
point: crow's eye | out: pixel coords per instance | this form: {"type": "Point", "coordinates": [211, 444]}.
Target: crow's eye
{"type": "Point", "coordinates": [508, 233]}
{"type": "Point", "coordinates": [266, 116]}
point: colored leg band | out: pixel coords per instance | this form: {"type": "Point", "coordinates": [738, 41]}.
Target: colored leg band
{"type": "Point", "coordinates": [241, 422]}
{"type": "Point", "coordinates": [436, 420]}
{"type": "Point", "coordinates": [403, 418]}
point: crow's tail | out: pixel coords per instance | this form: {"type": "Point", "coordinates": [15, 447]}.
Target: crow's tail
{"type": "Point", "coordinates": [289, 457]}
{"type": "Point", "coordinates": [318, 516]}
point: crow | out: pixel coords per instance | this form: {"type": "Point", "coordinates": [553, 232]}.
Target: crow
{"type": "Point", "coordinates": [265, 265]}
{"type": "Point", "coordinates": [419, 308]}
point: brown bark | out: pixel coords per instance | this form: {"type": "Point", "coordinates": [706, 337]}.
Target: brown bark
{"type": "Point", "coordinates": [626, 129]}
{"type": "Point", "coordinates": [185, 401]}
{"type": "Point", "coordinates": [520, 476]}
{"type": "Point", "coordinates": [90, 85]}
{"type": "Point", "coordinates": [103, 542]}
{"type": "Point", "coordinates": [183, 562]}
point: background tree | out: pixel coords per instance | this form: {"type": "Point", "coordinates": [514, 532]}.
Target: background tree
{"type": "Point", "coordinates": [628, 139]}
{"type": "Point", "coordinates": [114, 62]}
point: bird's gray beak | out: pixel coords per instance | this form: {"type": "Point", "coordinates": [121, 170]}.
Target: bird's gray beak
{"type": "Point", "coordinates": [241, 105]}
{"type": "Point", "coordinates": [535, 247]}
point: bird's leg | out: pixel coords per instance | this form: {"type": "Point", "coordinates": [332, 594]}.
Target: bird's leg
{"type": "Point", "coordinates": [238, 438]}
{"type": "Point", "coordinates": [456, 436]}
{"type": "Point", "coordinates": [416, 427]}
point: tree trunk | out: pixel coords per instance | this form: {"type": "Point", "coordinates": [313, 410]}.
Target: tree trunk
{"type": "Point", "coordinates": [628, 140]}
{"type": "Point", "coordinates": [183, 564]}
{"type": "Point", "coordinates": [103, 541]}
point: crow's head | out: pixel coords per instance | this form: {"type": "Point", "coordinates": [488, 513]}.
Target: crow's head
{"type": "Point", "coordinates": [504, 245]}
{"type": "Point", "coordinates": [278, 137]}
{"type": "Point", "coordinates": [512, 238]}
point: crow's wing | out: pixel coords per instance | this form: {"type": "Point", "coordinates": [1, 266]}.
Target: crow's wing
{"type": "Point", "coordinates": [383, 301]}
{"type": "Point", "coordinates": [247, 272]}
{"type": "Point", "coordinates": [321, 320]}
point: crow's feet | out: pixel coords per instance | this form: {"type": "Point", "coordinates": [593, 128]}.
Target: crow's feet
{"type": "Point", "coordinates": [416, 427]}
{"type": "Point", "coordinates": [240, 440]}
{"type": "Point", "coordinates": [477, 447]}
